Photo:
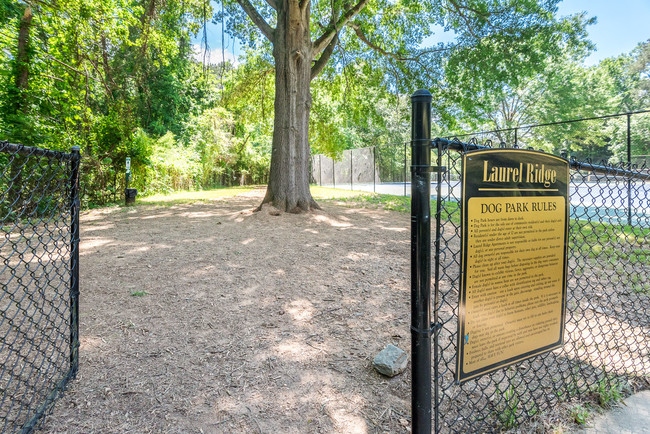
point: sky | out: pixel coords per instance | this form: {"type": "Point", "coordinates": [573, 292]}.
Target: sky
{"type": "Point", "coordinates": [621, 25]}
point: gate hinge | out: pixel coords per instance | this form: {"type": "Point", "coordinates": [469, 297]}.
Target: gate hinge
{"type": "Point", "coordinates": [429, 332]}
{"type": "Point", "coordinates": [415, 168]}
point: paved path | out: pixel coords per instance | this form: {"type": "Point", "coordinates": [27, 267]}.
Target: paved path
{"type": "Point", "coordinates": [632, 417]}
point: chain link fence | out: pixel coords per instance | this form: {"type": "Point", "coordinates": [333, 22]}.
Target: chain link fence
{"type": "Point", "coordinates": [377, 169]}
{"type": "Point", "coordinates": [613, 139]}
{"type": "Point", "coordinates": [39, 256]}
{"type": "Point", "coordinates": [606, 350]}
{"type": "Point", "coordinates": [606, 353]}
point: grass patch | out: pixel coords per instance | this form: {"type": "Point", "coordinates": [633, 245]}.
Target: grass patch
{"type": "Point", "coordinates": [507, 412]}
{"type": "Point", "coordinates": [186, 197]}
{"type": "Point", "coordinates": [139, 293]}
{"type": "Point", "coordinates": [324, 193]}
{"type": "Point", "coordinates": [614, 242]}
{"type": "Point", "coordinates": [351, 198]}
{"type": "Point", "coordinates": [609, 391]}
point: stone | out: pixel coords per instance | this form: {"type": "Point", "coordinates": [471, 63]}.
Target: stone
{"type": "Point", "coordinates": [390, 361]}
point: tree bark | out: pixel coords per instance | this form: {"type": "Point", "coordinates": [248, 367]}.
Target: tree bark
{"type": "Point", "coordinates": [23, 59]}
{"type": "Point", "coordinates": [18, 106]}
{"type": "Point", "coordinates": [288, 188]}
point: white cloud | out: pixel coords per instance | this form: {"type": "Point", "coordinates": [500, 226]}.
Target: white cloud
{"type": "Point", "coordinates": [213, 56]}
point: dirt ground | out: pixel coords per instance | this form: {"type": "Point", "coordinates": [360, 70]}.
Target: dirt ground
{"type": "Point", "coordinates": [211, 318]}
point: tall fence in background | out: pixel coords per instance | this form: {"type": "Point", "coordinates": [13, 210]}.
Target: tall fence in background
{"type": "Point", "coordinates": [39, 274]}
{"type": "Point", "coordinates": [378, 169]}
{"type": "Point", "coordinates": [621, 139]}
{"type": "Point", "coordinates": [606, 340]}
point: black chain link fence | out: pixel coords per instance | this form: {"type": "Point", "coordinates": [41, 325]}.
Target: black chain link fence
{"type": "Point", "coordinates": [606, 353]}
{"type": "Point", "coordinates": [39, 224]}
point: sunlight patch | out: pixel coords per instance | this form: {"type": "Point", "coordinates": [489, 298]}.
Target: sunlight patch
{"type": "Point", "coordinates": [301, 310]}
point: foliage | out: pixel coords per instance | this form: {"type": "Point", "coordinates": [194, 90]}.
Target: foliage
{"type": "Point", "coordinates": [580, 414]}
{"type": "Point", "coordinates": [565, 90]}
{"type": "Point", "coordinates": [354, 109]}
{"type": "Point", "coordinates": [118, 78]}
{"type": "Point", "coordinates": [609, 391]}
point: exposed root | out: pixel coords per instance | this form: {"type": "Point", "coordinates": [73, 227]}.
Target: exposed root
{"type": "Point", "coordinates": [284, 205]}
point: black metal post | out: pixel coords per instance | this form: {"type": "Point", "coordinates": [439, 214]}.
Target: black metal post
{"type": "Point", "coordinates": [629, 167]}
{"type": "Point", "coordinates": [421, 262]}
{"type": "Point", "coordinates": [405, 145]}
{"type": "Point", "coordinates": [516, 131]}
{"type": "Point", "coordinates": [436, 287]}
{"type": "Point", "coordinates": [74, 261]}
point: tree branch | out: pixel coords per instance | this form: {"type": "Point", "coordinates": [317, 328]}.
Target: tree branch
{"type": "Point", "coordinates": [273, 4]}
{"type": "Point", "coordinates": [377, 48]}
{"type": "Point", "coordinates": [257, 19]}
{"type": "Point", "coordinates": [464, 18]}
{"type": "Point", "coordinates": [324, 57]}
{"type": "Point", "coordinates": [336, 25]}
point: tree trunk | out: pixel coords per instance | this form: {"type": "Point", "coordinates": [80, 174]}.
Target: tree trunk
{"type": "Point", "coordinates": [17, 111]}
{"type": "Point", "coordinates": [288, 188]}
{"type": "Point", "coordinates": [23, 55]}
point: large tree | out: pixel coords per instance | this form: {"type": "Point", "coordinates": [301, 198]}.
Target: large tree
{"type": "Point", "coordinates": [495, 42]}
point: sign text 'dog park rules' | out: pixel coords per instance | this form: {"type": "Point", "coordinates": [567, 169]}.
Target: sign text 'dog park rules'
{"type": "Point", "coordinates": [514, 261]}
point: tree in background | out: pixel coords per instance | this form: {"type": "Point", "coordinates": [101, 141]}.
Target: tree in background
{"type": "Point", "coordinates": [497, 41]}
{"type": "Point", "coordinates": [566, 90]}
{"type": "Point", "coordinates": [118, 78]}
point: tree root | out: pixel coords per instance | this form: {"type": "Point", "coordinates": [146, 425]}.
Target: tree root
{"type": "Point", "coordinates": [291, 207]}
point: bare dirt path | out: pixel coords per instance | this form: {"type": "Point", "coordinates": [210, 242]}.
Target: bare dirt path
{"type": "Point", "coordinates": [211, 318]}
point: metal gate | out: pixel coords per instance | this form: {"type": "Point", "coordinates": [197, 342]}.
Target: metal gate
{"type": "Point", "coordinates": [606, 350]}
{"type": "Point", "coordinates": [39, 274]}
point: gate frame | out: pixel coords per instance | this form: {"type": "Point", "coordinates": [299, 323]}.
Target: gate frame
{"type": "Point", "coordinates": [422, 329]}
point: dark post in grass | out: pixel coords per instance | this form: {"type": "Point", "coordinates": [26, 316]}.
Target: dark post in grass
{"type": "Point", "coordinates": [629, 167]}
{"type": "Point", "coordinates": [74, 261]}
{"type": "Point", "coordinates": [421, 262]}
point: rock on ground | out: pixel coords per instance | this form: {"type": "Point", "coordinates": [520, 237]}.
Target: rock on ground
{"type": "Point", "coordinates": [390, 361]}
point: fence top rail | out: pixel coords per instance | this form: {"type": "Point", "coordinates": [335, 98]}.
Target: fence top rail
{"type": "Point", "coordinates": [549, 124]}
{"type": "Point", "coordinates": [458, 146]}
{"type": "Point", "coordinates": [31, 151]}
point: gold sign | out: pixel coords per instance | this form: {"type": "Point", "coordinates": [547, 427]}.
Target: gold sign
{"type": "Point", "coordinates": [514, 258]}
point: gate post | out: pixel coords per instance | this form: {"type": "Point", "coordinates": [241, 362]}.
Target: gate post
{"type": "Point", "coordinates": [74, 261]}
{"type": "Point", "coordinates": [629, 167]}
{"type": "Point", "coordinates": [421, 262]}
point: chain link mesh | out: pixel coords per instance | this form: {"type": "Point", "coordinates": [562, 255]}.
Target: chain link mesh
{"type": "Point", "coordinates": [37, 313]}
{"type": "Point", "coordinates": [607, 335]}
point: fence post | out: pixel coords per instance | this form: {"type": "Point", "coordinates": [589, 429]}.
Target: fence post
{"type": "Point", "coordinates": [405, 145]}
{"type": "Point", "coordinates": [374, 169]}
{"type": "Point", "coordinates": [516, 134]}
{"type": "Point", "coordinates": [351, 172]}
{"type": "Point", "coordinates": [421, 261]}
{"type": "Point", "coordinates": [629, 167]}
{"type": "Point", "coordinates": [74, 261]}
{"type": "Point", "coordinates": [333, 173]}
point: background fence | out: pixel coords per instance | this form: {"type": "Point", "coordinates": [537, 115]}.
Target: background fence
{"type": "Point", "coordinates": [39, 239]}
{"type": "Point", "coordinates": [614, 139]}
{"type": "Point", "coordinates": [607, 336]}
